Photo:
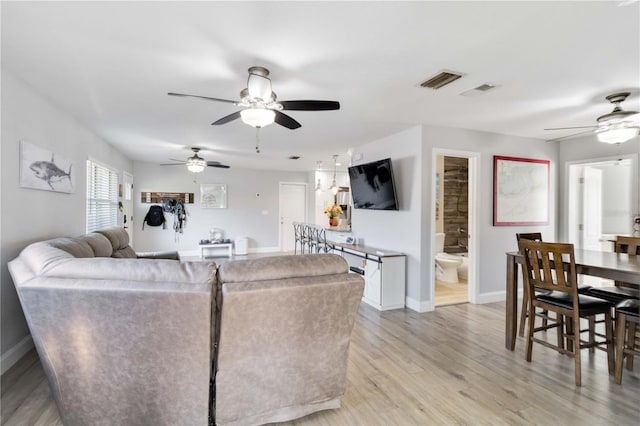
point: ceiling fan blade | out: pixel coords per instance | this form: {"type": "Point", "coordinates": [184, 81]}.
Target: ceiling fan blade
{"type": "Point", "coordinates": [203, 97]}
{"type": "Point", "coordinates": [179, 161]}
{"type": "Point", "coordinates": [220, 166]}
{"type": "Point", "coordinates": [173, 164]}
{"type": "Point", "coordinates": [286, 121]}
{"type": "Point", "coordinates": [310, 105]}
{"type": "Point", "coordinates": [227, 118]}
{"type": "Point", "coordinates": [569, 136]}
{"type": "Point", "coordinates": [567, 128]}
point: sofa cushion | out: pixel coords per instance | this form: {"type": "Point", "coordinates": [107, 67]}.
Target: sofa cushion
{"type": "Point", "coordinates": [279, 267]}
{"type": "Point", "coordinates": [119, 239]}
{"type": "Point", "coordinates": [74, 246]}
{"type": "Point", "coordinates": [100, 245]}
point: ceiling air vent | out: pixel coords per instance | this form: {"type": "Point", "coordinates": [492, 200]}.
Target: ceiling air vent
{"type": "Point", "coordinates": [483, 88]}
{"type": "Point", "coordinates": [440, 80]}
{"type": "Point", "coordinates": [294, 157]}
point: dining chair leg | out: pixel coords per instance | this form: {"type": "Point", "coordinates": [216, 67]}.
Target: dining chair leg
{"type": "Point", "coordinates": [524, 311]}
{"type": "Point", "coordinates": [575, 343]}
{"type": "Point", "coordinates": [608, 323]}
{"type": "Point", "coordinates": [592, 334]}
{"type": "Point", "coordinates": [570, 333]}
{"type": "Point", "coordinates": [632, 336]}
{"type": "Point", "coordinates": [621, 330]}
{"type": "Point", "coordinates": [560, 330]}
{"type": "Point", "coordinates": [531, 321]}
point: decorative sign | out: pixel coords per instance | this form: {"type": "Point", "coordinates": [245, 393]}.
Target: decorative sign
{"type": "Point", "coordinates": [213, 196]}
{"type": "Point", "coordinates": [159, 197]}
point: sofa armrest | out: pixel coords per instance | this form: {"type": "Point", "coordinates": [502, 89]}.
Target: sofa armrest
{"type": "Point", "coordinates": [169, 254]}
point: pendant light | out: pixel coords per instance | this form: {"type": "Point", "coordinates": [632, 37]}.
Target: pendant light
{"type": "Point", "coordinates": [334, 187]}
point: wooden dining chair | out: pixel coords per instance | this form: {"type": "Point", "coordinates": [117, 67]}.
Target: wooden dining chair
{"type": "Point", "coordinates": [552, 267]}
{"type": "Point", "coordinates": [627, 342]}
{"type": "Point", "coordinates": [524, 311]}
{"type": "Point", "coordinates": [621, 290]}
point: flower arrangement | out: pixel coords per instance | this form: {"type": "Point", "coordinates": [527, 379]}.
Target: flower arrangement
{"type": "Point", "coordinates": [333, 211]}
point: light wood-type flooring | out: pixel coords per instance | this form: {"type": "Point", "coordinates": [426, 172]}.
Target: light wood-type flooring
{"type": "Point", "coordinates": [447, 367]}
{"type": "Point", "coordinates": [451, 293]}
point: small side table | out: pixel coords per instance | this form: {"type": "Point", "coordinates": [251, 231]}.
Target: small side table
{"type": "Point", "coordinates": [228, 246]}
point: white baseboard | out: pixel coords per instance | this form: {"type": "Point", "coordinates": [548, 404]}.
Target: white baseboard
{"type": "Point", "coordinates": [418, 306]}
{"type": "Point", "coordinates": [265, 250]}
{"type": "Point", "coordinates": [496, 296]}
{"type": "Point", "coordinates": [13, 355]}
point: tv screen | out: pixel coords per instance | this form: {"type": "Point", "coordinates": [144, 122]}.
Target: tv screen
{"type": "Point", "coordinates": [372, 186]}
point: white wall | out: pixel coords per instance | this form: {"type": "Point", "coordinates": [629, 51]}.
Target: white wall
{"type": "Point", "coordinates": [583, 149]}
{"type": "Point", "coordinates": [30, 215]}
{"type": "Point", "coordinates": [248, 214]}
{"type": "Point", "coordinates": [494, 241]}
{"type": "Point", "coordinates": [402, 230]}
{"type": "Point", "coordinates": [409, 230]}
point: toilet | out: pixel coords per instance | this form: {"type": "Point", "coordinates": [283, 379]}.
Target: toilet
{"type": "Point", "coordinates": [446, 264]}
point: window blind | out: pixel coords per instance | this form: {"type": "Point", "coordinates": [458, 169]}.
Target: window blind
{"type": "Point", "coordinates": [102, 196]}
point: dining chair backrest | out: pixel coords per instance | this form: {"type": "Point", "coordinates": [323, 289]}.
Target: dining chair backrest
{"type": "Point", "coordinates": [629, 245]}
{"type": "Point", "coordinates": [544, 264]}
{"type": "Point", "coordinates": [533, 236]}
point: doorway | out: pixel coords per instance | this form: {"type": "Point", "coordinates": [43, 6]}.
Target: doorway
{"type": "Point", "coordinates": [603, 200]}
{"type": "Point", "coordinates": [454, 216]}
{"type": "Point", "coordinates": [127, 204]}
{"type": "Point", "coordinates": [602, 203]}
{"type": "Point", "coordinates": [292, 208]}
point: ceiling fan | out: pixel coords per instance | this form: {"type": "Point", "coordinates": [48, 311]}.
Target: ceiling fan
{"type": "Point", "coordinates": [618, 126]}
{"type": "Point", "coordinates": [260, 106]}
{"type": "Point", "coordinates": [196, 164]}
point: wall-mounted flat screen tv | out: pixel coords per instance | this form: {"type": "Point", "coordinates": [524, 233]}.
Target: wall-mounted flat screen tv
{"type": "Point", "coordinates": [372, 186]}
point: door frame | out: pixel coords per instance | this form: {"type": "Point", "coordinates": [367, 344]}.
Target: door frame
{"type": "Point", "coordinates": [280, 223]}
{"type": "Point", "coordinates": [472, 247]}
{"type": "Point", "coordinates": [568, 201]}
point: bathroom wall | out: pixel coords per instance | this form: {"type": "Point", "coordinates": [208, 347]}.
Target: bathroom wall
{"type": "Point", "coordinates": [455, 211]}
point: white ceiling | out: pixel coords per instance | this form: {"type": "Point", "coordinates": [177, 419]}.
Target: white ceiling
{"type": "Point", "coordinates": [111, 64]}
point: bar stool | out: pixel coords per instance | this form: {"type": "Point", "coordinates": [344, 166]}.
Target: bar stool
{"type": "Point", "coordinates": [627, 344]}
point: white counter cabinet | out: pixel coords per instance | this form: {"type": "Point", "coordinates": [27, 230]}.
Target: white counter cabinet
{"type": "Point", "coordinates": [384, 274]}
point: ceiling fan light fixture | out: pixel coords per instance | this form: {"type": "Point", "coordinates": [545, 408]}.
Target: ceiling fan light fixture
{"type": "Point", "coordinates": [196, 164]}
{"type": "Point", "coordinates": [258, 117]}
{"type": "Point", "coordinates": [617, 134]}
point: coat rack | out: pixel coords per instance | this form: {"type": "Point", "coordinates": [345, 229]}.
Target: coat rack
{"type": "Point", "coordinates": [159, 197]}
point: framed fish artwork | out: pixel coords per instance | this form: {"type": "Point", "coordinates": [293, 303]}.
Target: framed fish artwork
{"type": "Point", "coordinates": [43, 169]}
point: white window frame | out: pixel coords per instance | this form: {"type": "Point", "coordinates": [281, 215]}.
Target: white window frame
{"type": "Point", "coordinates": [102, 196]}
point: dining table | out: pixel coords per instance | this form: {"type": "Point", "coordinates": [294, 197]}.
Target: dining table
{"type": "Point", "coordinates": [609, 265]}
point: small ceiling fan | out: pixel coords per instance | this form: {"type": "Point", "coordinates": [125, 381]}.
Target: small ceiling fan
{"type": "Point", "coordinates": [618, 126]}
{"type": "Point", "coordinates": [196, 164]}
{"type": "Point", "coordinates": [260, 106]}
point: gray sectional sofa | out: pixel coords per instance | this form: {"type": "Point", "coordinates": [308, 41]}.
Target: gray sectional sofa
{"type": "Point", "coordinates": [129, 340]}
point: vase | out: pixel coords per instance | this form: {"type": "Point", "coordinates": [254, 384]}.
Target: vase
{"type": "Point", "coordinates": [334, 221]}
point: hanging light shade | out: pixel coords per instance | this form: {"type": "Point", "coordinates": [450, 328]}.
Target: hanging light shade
{"type": "Point", "coordinates": [334, 187]}
{"type": "Point", "coordinates": [318, 187]}
{"type": "Point", "coordinates": [196, 164]}
{"type": "Point", "coordinates": [257, 117]}
{"type": "Point", "coordinates": [617, 135]}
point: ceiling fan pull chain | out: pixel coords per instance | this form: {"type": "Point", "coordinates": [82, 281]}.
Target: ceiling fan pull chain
{"type": "Point", "coordinates": [257, 140]}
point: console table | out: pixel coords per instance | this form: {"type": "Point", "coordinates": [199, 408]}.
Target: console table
{"type": "Point", "coordinates": [226, 246]}
{"type": "Point", "coordinates": [383, 271]}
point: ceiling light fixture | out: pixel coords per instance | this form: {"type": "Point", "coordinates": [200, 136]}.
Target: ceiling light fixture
{"type": "Point", "coordinates": [617, 126]}
{"type": "Point", "coordinates": [196, 164]}
{"type": "Point", "coordinates": [318, 187]}
{"type": "Point", "coordinates": [258, 117]}
{"type": "Point", "coordinates": [617, 134]}
{"type": "Point", "coordinates": [334, 187]}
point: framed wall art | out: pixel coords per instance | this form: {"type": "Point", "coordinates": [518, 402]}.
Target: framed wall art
{"type": "Point", "coordinates": [213, 196]}
{"type": "Point", "coordinates": [43, 169]}
{"type": "Point", "coordinates": [520, 191]}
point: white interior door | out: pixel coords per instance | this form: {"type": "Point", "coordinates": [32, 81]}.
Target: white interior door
{"type": "Point", "coordinates": [592, 210]}
{"type": "Point", "coordinates": [293, 206]}
{"type": "Point", "coordinates": [127, 203]}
